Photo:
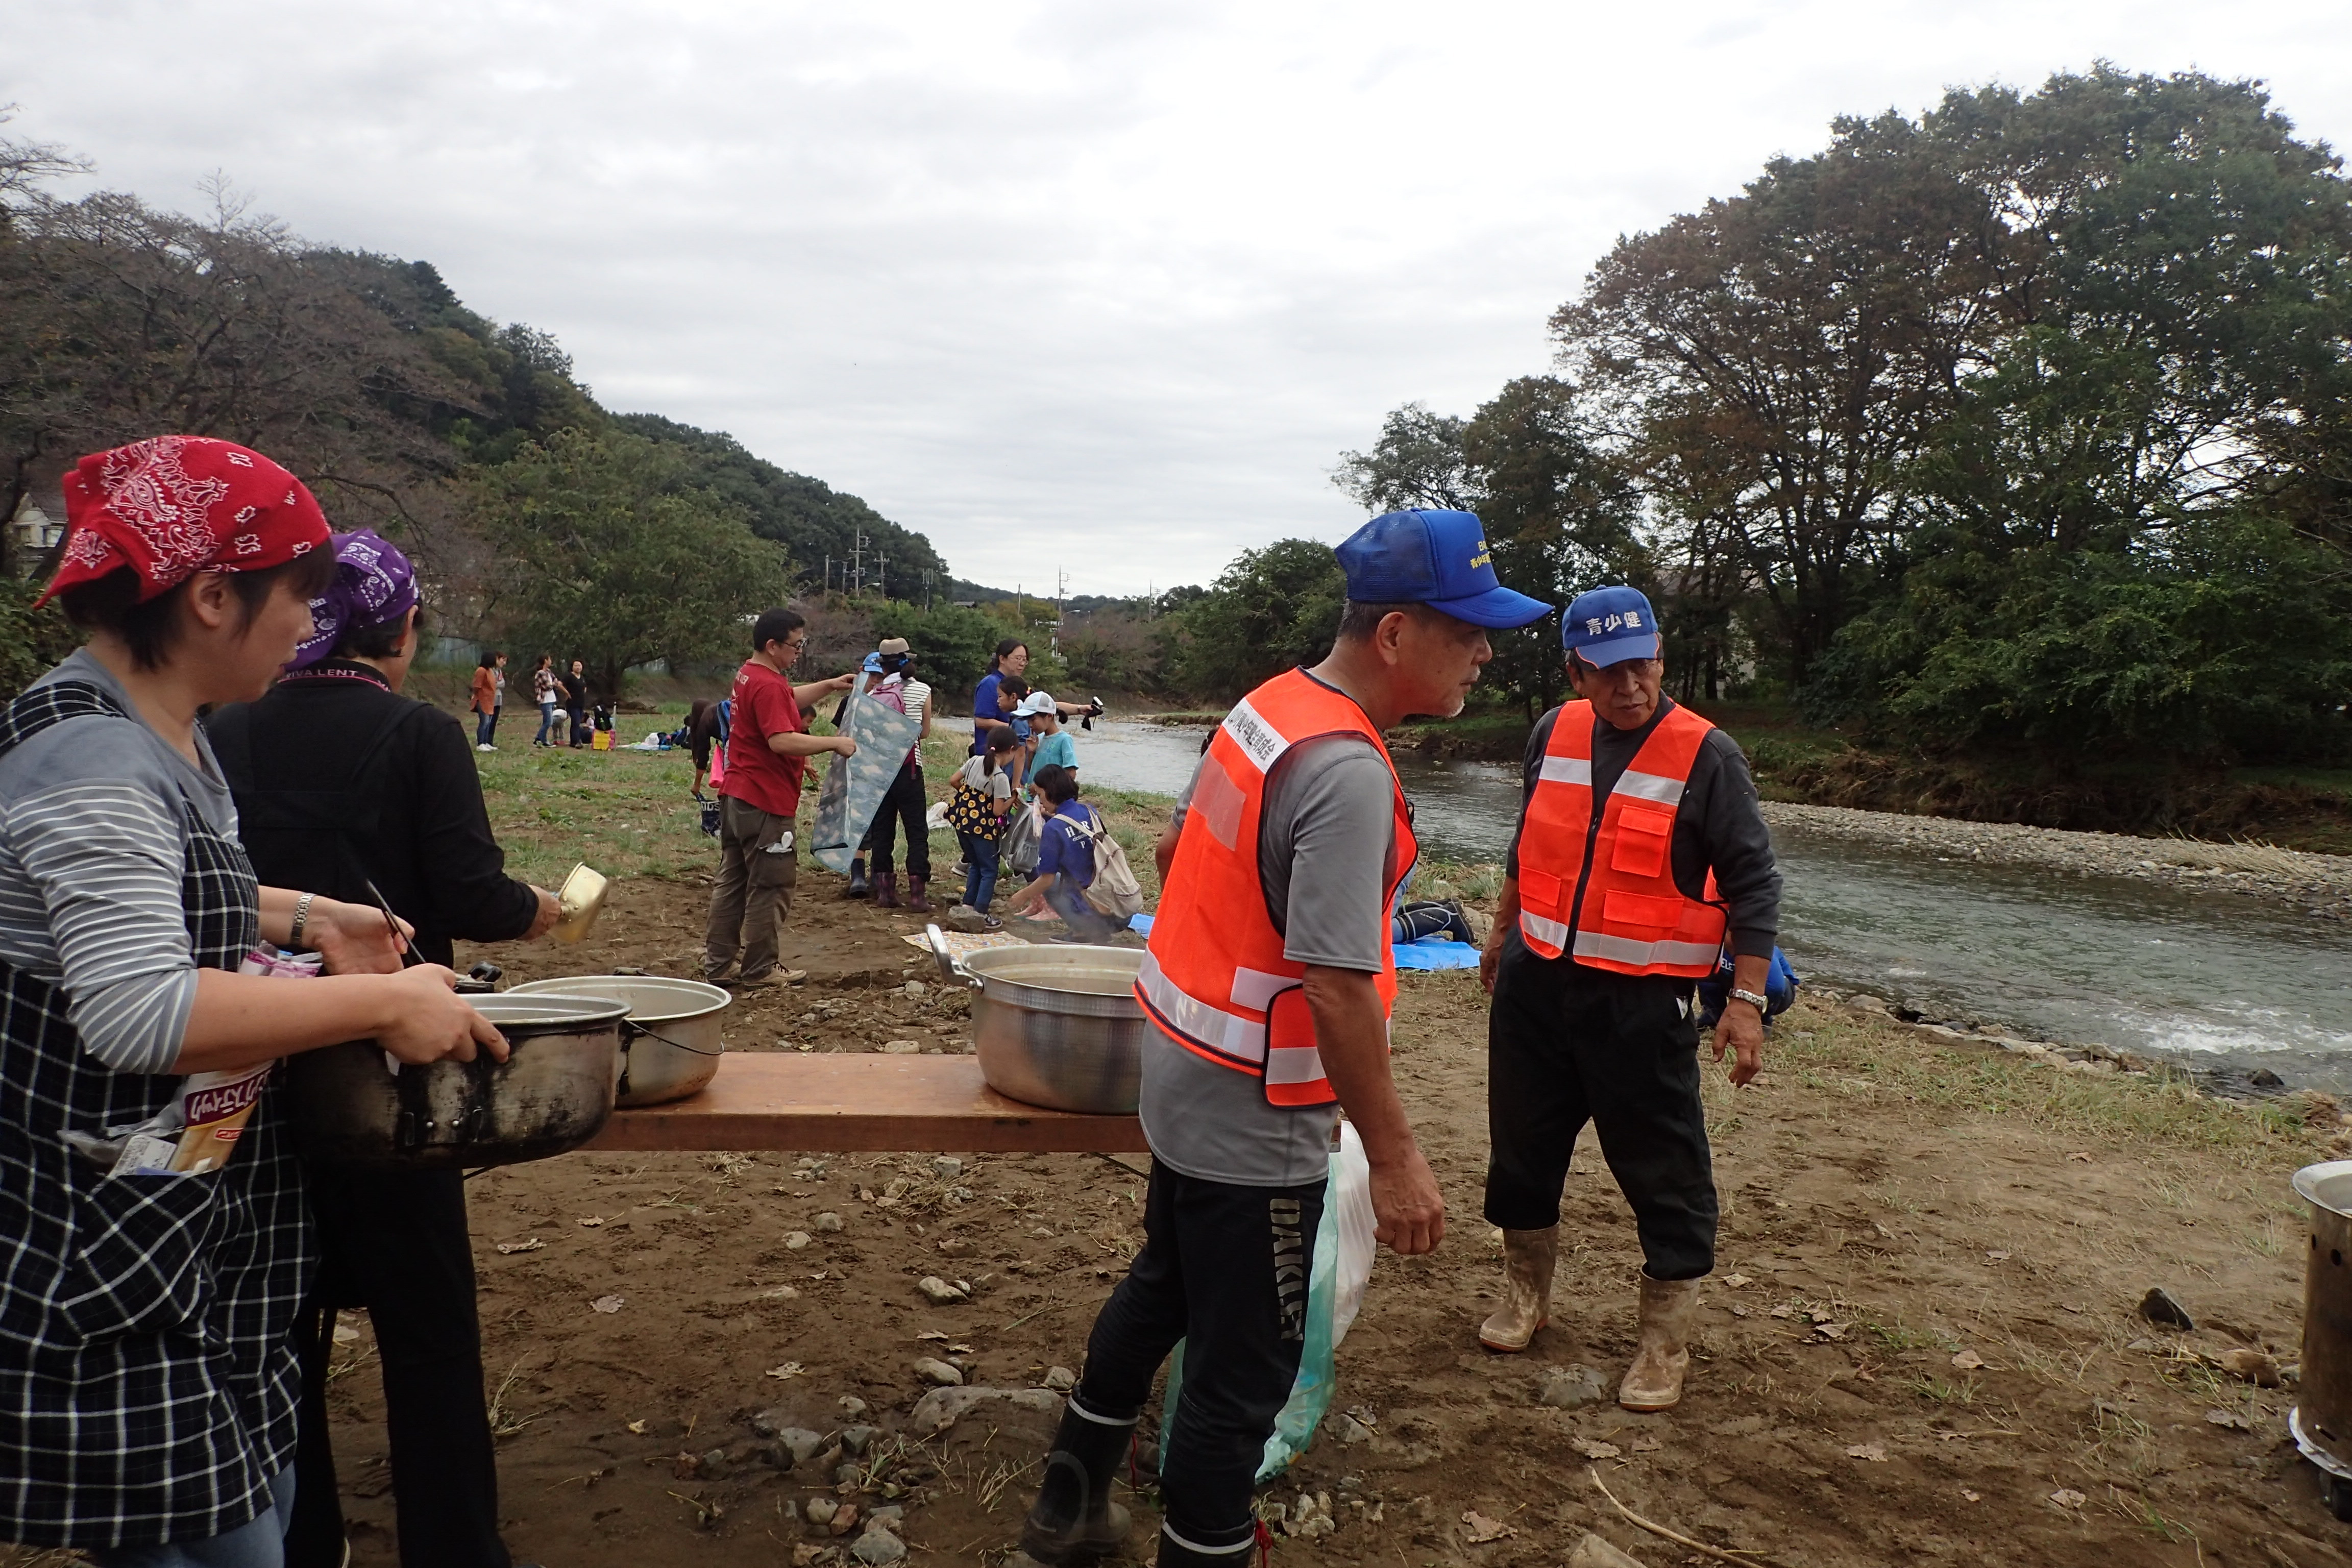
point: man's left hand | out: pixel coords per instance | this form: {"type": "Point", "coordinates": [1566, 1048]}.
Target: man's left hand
{"type": "Point", "coordinates": [1742, 1028]}
{"type": "Point", "coordinates": [353, 939]}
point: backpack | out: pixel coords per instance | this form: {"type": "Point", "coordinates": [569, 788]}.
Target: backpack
{"type": "Point", "coordinates": [1114, 892]}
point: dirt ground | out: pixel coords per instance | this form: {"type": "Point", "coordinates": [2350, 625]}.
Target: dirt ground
{"type": "Point", "coordinates": [1920, 1344]}
{"type": "Point", "coordinates": [1890, 1205]}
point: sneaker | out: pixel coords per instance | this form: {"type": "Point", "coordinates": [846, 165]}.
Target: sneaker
{"type": "Point", "coordinates": [486, 748]}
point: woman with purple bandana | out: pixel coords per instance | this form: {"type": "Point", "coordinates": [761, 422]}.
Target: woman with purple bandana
{"type": "Point", "coordinates": [341, 779]}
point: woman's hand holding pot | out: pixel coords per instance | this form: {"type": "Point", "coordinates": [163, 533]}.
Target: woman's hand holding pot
{"type": "Point", "coordinates": [430, 1022]}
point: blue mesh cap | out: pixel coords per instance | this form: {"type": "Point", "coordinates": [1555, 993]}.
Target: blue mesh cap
{"type": "Point", "coordinates": [1610, 625]}
{"type": "Point", "coordinates": [1434, 557]}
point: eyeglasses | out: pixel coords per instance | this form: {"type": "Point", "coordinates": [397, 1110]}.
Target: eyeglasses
{"type": "Point", "coordinates": [796, 644]}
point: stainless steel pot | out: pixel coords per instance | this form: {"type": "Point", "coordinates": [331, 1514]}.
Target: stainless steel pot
{"type": "Point", "coordinates": [670, 1043]}
{"type": "Point", "coordinates": [552, 1093]}
{"type": "Point", "coordinates": [1057, 1026]}
{"type": "Point", "coordinates": [2322, 1419]}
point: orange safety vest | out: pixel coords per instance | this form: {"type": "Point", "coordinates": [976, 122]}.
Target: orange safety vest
{"type": "Point", "coordinates": [1626, 912]}
{"type": "Point", "coordinates": [1214, 979]}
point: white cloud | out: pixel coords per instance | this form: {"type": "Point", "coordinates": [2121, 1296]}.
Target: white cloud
{"type": "Point", "coordinates": [1084, 286]}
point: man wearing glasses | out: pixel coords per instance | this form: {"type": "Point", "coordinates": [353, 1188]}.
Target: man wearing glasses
{"type": "Point", "coordinates": [768, 746]}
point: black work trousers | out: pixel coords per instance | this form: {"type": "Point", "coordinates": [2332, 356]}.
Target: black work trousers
{"type": "Point", "coordinates": [1567, 1044]}
{"type": "Point", "coordinates": [903, 804]}
{"type": "Point", "coordinates": [1224, 1269]}
{"type": "Point", "coordinates": [396, 1244]}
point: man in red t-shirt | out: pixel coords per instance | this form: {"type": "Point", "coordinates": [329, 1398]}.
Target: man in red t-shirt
{"type": "Point", "coordinates": [768, 746]}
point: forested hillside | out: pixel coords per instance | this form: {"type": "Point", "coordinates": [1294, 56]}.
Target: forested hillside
{"type": "Point", "coordinates": [538, 516]}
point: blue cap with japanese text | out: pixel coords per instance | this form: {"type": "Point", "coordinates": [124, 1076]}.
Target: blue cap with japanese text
{"type": "Point", "coordinates": [1610, 625]}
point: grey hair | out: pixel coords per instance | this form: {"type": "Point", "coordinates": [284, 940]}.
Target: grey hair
{"type": "Point", "coordinates": [1359, 621]}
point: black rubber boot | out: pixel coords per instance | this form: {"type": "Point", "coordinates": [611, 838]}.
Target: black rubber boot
{"type": "Point", "coordinates": [858, 886]}
{"type": "Point", "coordinates": [1074, 1520]}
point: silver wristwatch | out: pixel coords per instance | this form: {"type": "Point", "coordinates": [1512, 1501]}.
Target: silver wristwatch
{"type": "Point", "coordinates": [301, 919]}
{"type": "Point", "coordinates": [1751, 998]}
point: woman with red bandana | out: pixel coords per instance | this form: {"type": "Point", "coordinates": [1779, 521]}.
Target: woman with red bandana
{"type": "Point", "coordinates": [148, 1389]}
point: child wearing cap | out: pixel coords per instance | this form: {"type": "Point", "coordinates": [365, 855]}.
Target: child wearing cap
{"type": "Point", "coordinates": [1051, 746]}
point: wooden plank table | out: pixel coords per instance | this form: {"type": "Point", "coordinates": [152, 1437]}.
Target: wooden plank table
{"type": "Point", "coordinates": [861, 1102]}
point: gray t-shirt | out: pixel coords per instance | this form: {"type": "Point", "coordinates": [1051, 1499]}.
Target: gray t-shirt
{"type": "Point", "coordinates": [1326, 801]}
{"type": "Point", "coordinates": [93, 845]}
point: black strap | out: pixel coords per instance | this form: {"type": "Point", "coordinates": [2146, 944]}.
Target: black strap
{"type": "Point", "coordinates": [36, 711]}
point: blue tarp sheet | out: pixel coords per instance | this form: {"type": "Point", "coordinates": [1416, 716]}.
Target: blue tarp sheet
{"type": "Point", "coordinates": [1435, 952]}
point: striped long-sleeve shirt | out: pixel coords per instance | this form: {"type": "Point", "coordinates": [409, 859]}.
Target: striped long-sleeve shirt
{"type": "Point", "coordinates": [93, 843]}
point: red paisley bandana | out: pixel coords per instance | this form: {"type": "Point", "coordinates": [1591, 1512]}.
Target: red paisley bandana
{"type": "Point", "coordinates": [172, 506]}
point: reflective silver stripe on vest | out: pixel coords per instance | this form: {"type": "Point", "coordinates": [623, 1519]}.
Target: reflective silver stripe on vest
{"type": "Point", "coordinates": [1627, 950]}
{"type": "Point", "coordinates": [1244, 1039]}
{"type": "Point", "coordinates": [1552, 933]}
{"type": "Point", "coordinates": [1256, 988]}
{"type": "Point", "coordinates": [1650, 786]}
{"type": "Point", "coordinates": [1294, 1064]}
{"type": "Point", "coordinates": [1566, 770]}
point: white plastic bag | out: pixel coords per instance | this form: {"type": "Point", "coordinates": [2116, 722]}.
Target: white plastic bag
{"type": "Point", "coordinates": [1351, 1198]}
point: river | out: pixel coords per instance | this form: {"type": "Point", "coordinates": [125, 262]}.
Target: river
{"type": "Point", "coordinates": [2217, 981]}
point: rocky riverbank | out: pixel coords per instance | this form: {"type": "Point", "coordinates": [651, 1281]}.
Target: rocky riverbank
{"type": "Point", "coordinates": [2316, 884]}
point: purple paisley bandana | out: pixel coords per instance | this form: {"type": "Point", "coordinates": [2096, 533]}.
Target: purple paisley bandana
{"type": "Point", "coordinates": [373, 584]}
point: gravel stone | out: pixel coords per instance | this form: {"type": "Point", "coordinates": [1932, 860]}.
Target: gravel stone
{"type": "Point", "coordinates": [1570, 1387]}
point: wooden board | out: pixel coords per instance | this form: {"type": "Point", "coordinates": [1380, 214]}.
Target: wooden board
{"type": "Point", "coordinates": [775, 1101]}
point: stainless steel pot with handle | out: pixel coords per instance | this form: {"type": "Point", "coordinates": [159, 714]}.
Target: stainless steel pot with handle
{"type": "Point", "coordinates": [671, 1042]}
{"type": "Point", "coordinates": [1055, 1026]}
{"type": "Point", "coordinates": [353, 1105]}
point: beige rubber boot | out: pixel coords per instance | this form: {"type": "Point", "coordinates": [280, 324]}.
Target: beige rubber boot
{"type": "Point", "coordinates": [1654, 1381]}
{"type": "Point", "coordinates": [1527, 1259]}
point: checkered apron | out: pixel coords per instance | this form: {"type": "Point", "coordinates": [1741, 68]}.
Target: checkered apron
{"type": "Point", "coordinates": [147, 1390]}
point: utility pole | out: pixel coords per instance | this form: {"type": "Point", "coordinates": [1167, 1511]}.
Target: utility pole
{"type": "Point", "coordinates": [858, 542]}
{"type": "Point", "coordinates": [1060, 588]}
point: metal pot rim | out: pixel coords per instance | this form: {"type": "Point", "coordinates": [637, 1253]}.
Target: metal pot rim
{"type": "Point", "coordinates": [549, 1012]}
{"type": "Point", "coordinates": [707, 998]}
{"type": "Point", "coordinates": [2312, 1180]}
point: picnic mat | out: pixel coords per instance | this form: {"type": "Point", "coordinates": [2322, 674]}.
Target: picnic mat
{"type": "Point", "coordinates": [963, 942]}
{"type": "Point", "coordinates": [854, 786]}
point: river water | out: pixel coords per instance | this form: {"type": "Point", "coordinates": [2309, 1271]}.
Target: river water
{"type": "Point", "coordinates": [2215, 980]}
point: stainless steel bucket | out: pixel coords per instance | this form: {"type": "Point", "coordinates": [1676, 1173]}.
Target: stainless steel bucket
{"type": "Point", "coordinates": [1056, 1026]}
{"type": "Point", "coordinates": [552, 1093]}
{"type": "Point", "coordinates": [671, 1042]}
{"type": "Point", "coordinates": [2323, 1415]}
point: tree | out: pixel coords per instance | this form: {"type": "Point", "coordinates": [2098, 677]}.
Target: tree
{"type": "Point", "coordinates": [606, 548]}
{"type": "Point", "coordinates": [1269, 610]}
{"type": "Point", "coordinates": [1767, 364]}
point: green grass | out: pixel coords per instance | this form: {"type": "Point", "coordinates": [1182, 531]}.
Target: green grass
{"type": "Point", "coordinates": [627, 814]}
{"type": "Point", "coordinates": [1836, 1054]}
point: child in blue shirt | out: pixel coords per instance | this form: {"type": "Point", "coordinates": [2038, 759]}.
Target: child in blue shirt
{"type": "Point", "coordinates": [1053, 747]}
{"type": "Point", "coordinates": [1065, 861]}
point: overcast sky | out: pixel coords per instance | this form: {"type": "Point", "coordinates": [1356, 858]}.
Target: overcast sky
{"type": "Point", "coordinates": [1101, 288]}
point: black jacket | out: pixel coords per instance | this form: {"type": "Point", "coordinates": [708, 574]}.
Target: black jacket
{"type": "Point", "coordinates": [1719, 824]}
{"type": "Point", "coordinates": [337, 778]}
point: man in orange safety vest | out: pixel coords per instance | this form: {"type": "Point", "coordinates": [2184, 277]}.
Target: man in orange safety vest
{"type": "Point", "coordinates": [1641, 854]}
{"type": "Point", "coordinates": [1268, 983]}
